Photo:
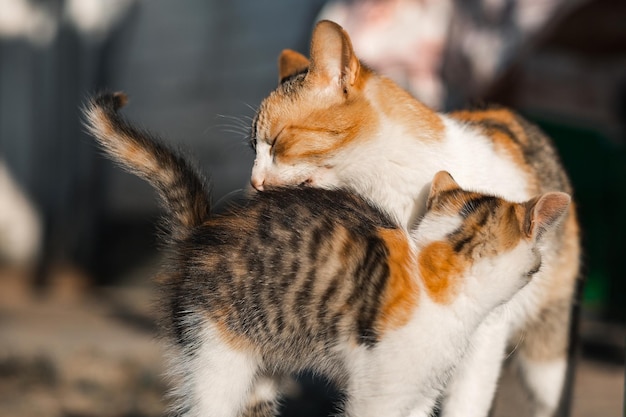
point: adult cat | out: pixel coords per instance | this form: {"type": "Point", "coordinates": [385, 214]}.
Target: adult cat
{"type": "Point", "coordinates": [332, 122]}
{"type": "Point", "coordinates": [320, 279]}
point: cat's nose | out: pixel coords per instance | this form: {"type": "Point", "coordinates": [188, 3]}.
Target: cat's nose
{"type": "Point", "coordinates": [257, 183]}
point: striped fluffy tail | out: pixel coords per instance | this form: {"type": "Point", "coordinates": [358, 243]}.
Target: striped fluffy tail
{"type": "Point", "coordinates": [182, 190]}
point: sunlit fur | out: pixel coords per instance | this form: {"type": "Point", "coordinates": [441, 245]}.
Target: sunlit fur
{"type": "Point", "coordinates": [336, 123]}
{"type": "Point", "coordinates": [305, 278]}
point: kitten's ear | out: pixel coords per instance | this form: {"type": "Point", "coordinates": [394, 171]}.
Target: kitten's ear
{"type": "Point", "coordinates": [442, 181]}
{"type": "Point", "coordinates": [291, 63]}
{"type": "Point", "coordinates": [332, 57]}
{"type": "Point", "coordinates": [544, 212]}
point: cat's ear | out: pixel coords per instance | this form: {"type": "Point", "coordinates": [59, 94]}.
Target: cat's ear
{"type": "Point", "coordinates": [442, 181]}
{"type": "Point", "coordinates": [333, 61]}
{"type": "Point", "coordinates": [291, 63]}
{"type": "Point", "coordinates": [543, 213]}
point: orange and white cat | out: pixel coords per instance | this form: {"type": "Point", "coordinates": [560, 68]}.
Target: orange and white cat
{"type": "Point", "coordinates": [332, 122]}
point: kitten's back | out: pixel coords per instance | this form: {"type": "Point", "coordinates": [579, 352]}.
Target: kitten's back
{"type": "Point", "coordinates": [302, 258]}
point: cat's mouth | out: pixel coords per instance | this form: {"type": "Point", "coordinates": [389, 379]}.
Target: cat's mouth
{"type": "Point", "coordinates": [307, 183]}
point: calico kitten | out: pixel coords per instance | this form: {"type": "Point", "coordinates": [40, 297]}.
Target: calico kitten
{"type": "Point", "coordinates": [332, 122]}
{"type": "Point", "coordinates": [318, 279]}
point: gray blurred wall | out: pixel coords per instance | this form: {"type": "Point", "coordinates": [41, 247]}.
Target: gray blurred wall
{"type": "Point", "coordinates": [194, 70]}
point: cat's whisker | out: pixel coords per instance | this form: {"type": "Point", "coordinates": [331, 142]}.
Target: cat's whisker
{"type": "Point", "coordinates": [240, 119]}
{"type": "Point", "coordinates": [251, 107]}
{"type": "Point", "coordinates": [237, 123]}
{"type": "Point", "coordinates": [229, 195]}
{"type": "Point", "coordinates": [235, 131]}
{"type": "Point", "coordinates": [243, 128]}
{"type": "Point", "coordinates": [520, 340]}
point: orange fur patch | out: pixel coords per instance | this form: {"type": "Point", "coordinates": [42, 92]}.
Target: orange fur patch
{"type": "Point", "coordinates": [363, 75]}
{"type": "Point", "coordinates": [137, 155]}
{"type": "Point", "coordinates": [396, 102]}
{"type": "Point", "coordinates": [439, 265]}
{"type": "Point", "coordinates": [324, 131]}
{"type": "Point", "coordinates": [290, 63]}
{"type": "Point", "coordinates": [235, 341]}
{"type": "Point", "coordinates": [122, 146]}
{"type": "Point", "coordinates": [401, 294]}
{"type": "Point", "coordinates": [508, 232]}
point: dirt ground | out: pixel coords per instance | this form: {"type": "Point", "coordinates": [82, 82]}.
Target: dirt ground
{"type": "Point", "coordinates": [79, 353]}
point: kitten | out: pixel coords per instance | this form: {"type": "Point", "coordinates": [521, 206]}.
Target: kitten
{"type": "Point", "coordinates": [301, 278]}
{"type": "Point", "coordinates": [332, 122]}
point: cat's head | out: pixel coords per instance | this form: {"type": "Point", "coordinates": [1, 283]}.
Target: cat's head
{"type": "Point", "coordinates": [322, 117]}
{"type": "Point", "coordinates": [302, 123]}
{"type": "Point", "coordinates": [469, 235]}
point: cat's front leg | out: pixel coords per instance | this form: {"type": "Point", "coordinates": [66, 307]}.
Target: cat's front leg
{"type": "Point", "coordinates": [472, 388]}
{"type": "Point", "coordinates": [382, 402]}
{"type": "Point", "coordinates": [392, 379]}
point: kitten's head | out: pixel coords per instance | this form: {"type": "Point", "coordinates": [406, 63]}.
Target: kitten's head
{"type": "Point", "coordinates": [473, 235]}
{"type": "Point", "coordinates": [303, 128]}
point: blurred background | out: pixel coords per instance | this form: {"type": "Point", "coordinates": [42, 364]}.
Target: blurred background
{"type": "Point", "coordinates": [77, 235]}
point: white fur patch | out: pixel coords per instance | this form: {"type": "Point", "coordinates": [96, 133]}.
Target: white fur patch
{"type": "Point", "coordinates": [474, 164]}
{"type": "Point", "coordinates": [471, 390]}
{"type": "Point", "coordinates": [545, 381]}
{"type": "Point", "coordinates": [268, 172]}
{"type": "Point", "coordinates": [435, 227]}
{"type": "Point", "coordinates": [265, 389]}
{"type": "Point", "coordinates": [21, 226]}
{"type": "Point", "coordinates": [220, 378]}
